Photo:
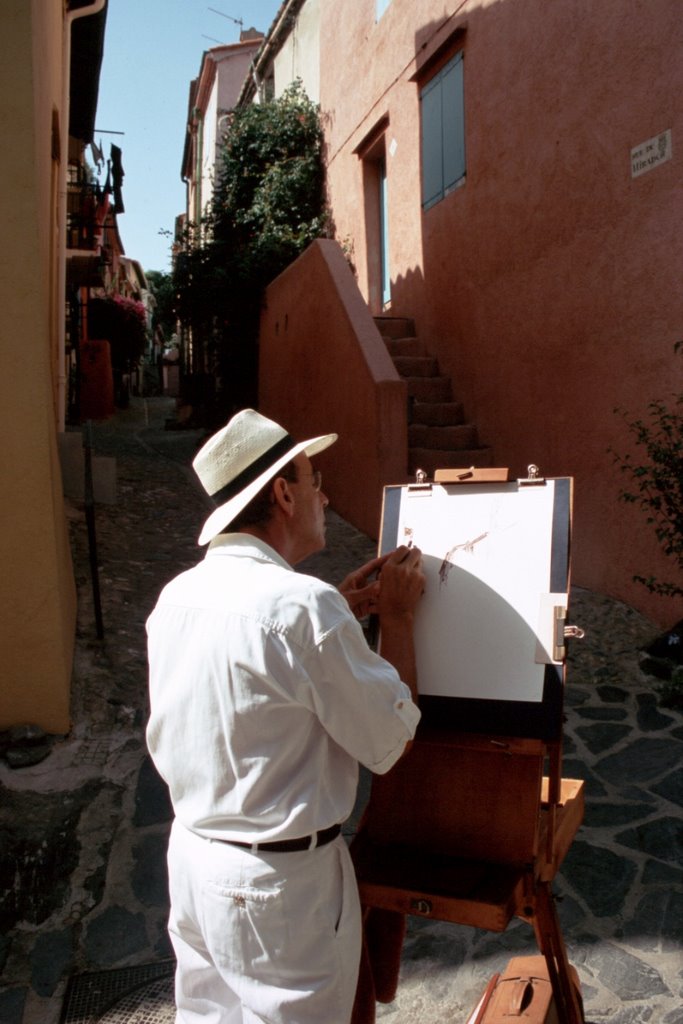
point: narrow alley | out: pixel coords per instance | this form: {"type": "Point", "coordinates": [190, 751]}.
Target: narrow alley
{"type": "Point", "coordinates": [85, 829]}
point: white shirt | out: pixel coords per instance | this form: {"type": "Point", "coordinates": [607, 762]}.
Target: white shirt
{"type": "Point", "coordinates": [265, 696]}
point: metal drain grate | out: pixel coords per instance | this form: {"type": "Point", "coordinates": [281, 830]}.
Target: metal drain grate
{"type": "Point", "coordinates": [129, 995]}
{"type": "Point", "coordinates": [152, 1004]}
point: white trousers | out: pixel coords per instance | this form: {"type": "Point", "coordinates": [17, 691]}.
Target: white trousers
{"type": "Point", "coordinates": [272, 938]}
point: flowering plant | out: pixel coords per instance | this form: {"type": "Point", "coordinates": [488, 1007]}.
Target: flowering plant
{"type": "Point", "coordinates": [123, 322]}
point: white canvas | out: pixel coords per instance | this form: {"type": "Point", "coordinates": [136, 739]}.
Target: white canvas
{"type": "Point", "coordinates": [487, 610]}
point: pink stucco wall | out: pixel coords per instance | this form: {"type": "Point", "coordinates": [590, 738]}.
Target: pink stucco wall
{"type": "Point", "coordinates": [324, 368]}
{"type": "Point", "coordinates": [549, 284]}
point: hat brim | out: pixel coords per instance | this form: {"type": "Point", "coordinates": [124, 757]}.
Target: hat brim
{"type": "Point", "coordinates": [224, 514]}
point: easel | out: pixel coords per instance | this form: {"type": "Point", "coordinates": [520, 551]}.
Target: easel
{"type": "Point", "coordinates": [467, 828]}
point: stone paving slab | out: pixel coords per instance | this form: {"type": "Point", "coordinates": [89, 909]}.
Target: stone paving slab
{"type": "Point", "coordinates": [83, 832]}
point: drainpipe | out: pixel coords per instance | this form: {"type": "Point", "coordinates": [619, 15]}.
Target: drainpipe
{"type": "Point", "coordinates": [288, 11]}
{"type": "Point", "coordinates": [258, 85]}
{"type": "Point", "coordinates": [95, 7]}
{"type": "Point", "coordinates": [198, 118]}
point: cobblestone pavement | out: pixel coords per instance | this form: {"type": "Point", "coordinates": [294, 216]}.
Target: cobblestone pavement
{"type": "Point", "coordinates": [88, 825]}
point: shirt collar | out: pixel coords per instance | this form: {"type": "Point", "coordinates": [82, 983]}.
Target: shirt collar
{"type": "Point", "coordinates": [243, 545]}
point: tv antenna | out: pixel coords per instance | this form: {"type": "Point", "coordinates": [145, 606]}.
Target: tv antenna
{"type": "Point", "coordinates": [237, 21]}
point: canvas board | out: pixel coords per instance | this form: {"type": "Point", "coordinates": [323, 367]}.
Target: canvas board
{"type": "Point", "coordinates": [496, 560]}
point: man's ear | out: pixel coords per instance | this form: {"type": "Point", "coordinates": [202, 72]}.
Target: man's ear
{"type": "Point", "coordinates": [282, 496]}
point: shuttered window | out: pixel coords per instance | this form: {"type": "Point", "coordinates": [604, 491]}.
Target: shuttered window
{"type": "Point", "coordinates": [443, 132]}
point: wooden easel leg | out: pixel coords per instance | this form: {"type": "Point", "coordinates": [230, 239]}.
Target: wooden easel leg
{"type": "Point", "coordinates": [551, 944]}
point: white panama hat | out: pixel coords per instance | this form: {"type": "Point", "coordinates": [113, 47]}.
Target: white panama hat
{"type": "Point", "coordinates": [240, 459]}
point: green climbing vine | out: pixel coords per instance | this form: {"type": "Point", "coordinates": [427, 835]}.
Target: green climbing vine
{"type": "Point", "coordinates": [268, 205]}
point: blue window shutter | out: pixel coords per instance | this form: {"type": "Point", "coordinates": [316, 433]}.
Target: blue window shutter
{"type": "Point", "coordinates": [380, 8]}
{"type": "Point", "coordinates": [432, 143]}
{"type": "Point", "coordinates": [443, 132]}
{"type": "Point", "coordinates": [453, 124]}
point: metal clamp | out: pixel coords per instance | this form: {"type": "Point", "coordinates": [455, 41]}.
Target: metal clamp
{"type": "Point", "coordinates": [533, 476]}
{"type": "Point", "coordinates": [563, 632]}
{"type": "Point", "coordinates": [421, 485]}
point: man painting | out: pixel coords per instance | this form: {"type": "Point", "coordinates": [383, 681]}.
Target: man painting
{"type": "Point", "coordinates": [265, 697]}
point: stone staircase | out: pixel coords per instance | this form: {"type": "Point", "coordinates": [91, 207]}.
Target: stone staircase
{"type": "Point", "coordinates": [438, 435]}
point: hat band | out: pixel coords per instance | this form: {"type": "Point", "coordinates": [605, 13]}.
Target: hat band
{"type": "Point", "coordinates": [253, 471]}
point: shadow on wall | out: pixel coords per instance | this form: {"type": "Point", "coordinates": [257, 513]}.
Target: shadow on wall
{"type": "Point", "coordinates": [549, 272]}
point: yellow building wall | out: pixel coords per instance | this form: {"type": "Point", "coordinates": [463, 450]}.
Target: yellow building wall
{"type": "Point", "coordinates": [37, 590]}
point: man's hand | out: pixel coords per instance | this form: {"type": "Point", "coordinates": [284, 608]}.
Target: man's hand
{"type": "Point", "coordinates": [402, 583]}
{"type": "Point", "coordinates": [362, 593]}
{"type": "Point", "coordinates": [401, 587]}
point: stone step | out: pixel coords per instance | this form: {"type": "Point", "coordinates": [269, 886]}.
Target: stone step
{"type": "Point", "coordinates": [409, 346]}
{"type": "Point", "coordinates": [431, 459]}
{"type": "Point", "coordinates": [395, 326]}
{"type": "Point", "coordinates": [416, 366]}
{"type": "Point", "coordinates": [437, 414]}
{"type": "Point", "coordinates": [438, 437]}
{"type": "Point", "coordinates": [462, 436]}
{"type": "Point", "coordinates": [429, 389]}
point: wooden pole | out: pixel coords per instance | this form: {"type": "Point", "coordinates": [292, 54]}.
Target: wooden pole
{"type": "Point", "coordinates": [89, 495]}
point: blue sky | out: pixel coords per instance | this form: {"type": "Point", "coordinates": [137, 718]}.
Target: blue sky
{"type": "Point", "coordinates": [152, 51]}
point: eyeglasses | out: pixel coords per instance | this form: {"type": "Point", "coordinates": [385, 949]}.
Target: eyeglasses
{"type": "Point", "coordinates": [315, 477]}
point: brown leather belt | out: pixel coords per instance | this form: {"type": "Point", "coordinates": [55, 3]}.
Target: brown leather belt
{"type": "Point", "coordinates": [291, 845]}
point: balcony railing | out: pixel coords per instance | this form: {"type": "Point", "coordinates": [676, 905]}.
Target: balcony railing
{"type": "Point", "coordinates": [87, 207]}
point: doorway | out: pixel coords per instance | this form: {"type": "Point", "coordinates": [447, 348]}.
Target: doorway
{"type": "Point", "coordinates": [385, 271]}
{"type": "Point", "coordinates": [376, 203]}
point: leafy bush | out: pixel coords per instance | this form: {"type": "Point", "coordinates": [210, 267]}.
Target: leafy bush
{"type": "Point", "coordinates": [657, 483]}
{"type": "Point", "coordinates": [163, 315]}
{"type": "Point", "coordinates": [269, 196]}
{"type": "Point", "coordinates": [268, 205]}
